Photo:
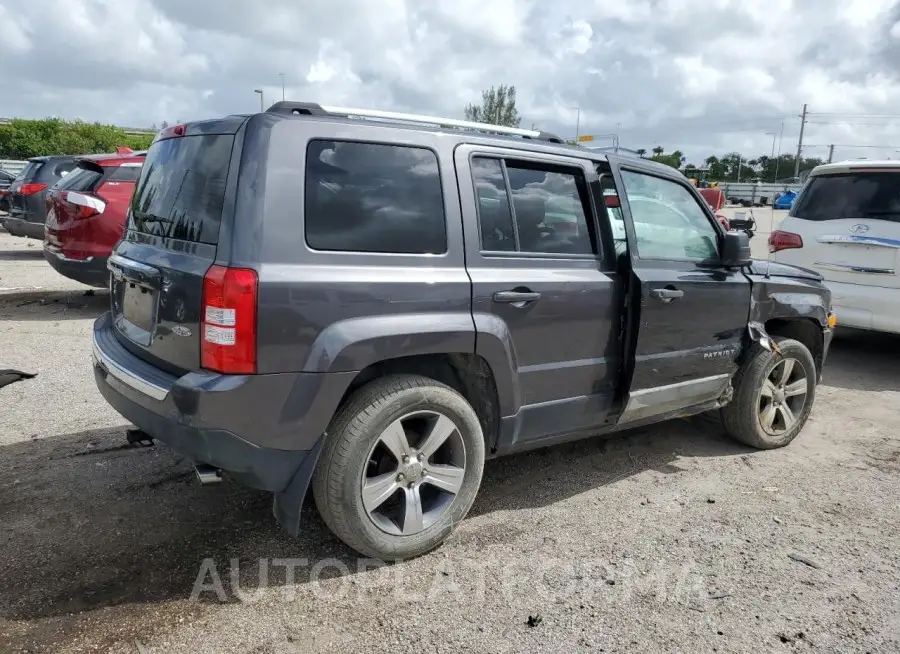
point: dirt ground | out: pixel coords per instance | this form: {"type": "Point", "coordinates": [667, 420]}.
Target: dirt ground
{"type": "Point", "coordinates": [667, 539]}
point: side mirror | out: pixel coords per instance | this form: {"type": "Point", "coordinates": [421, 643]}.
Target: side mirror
{"type": "Point", "coordinates": [735, 250]}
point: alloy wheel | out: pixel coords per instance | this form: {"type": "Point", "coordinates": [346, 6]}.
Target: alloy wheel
{"type": "Point", "coordinates": [413, 473]}
{"type": "Point", "coordinates": [783, 396]}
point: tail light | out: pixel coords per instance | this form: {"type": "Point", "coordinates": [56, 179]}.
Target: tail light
{"type": "Point", "coordinates": [229, 320]}
{"type": "Point", "coordinates": [779, 240]}
{"type": "Point", "coordinates": [31, 188]}
{"type": "Point", "coordinates": [87, 205]}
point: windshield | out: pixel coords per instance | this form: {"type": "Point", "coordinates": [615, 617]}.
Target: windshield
{"type": "Point", "coordinates": [181, 192]}
{"type": "Point", "coordinates": [850, 195]}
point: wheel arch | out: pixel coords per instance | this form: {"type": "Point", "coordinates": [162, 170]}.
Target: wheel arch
{"type": "Point", "coordinates": [467, 373]}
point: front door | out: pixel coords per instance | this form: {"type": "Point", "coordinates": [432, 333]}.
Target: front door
{"type": "Point", "coordinates": [692, 312]}
{"type": "Point", "coordinates": [540, 278]}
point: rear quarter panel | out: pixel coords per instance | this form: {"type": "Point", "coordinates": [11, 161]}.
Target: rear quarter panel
{"type": "Point", "coordinates": [341, 311]}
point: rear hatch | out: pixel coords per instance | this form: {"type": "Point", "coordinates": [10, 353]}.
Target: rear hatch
{"type": "Point", "coordinates": [849, 223]}
{"type": "Point", "coordinates": [69, 201]}
{"type": "Point", "coordinates": [173, 222]}
{"type": "Point", "coordinates": [24, 185]}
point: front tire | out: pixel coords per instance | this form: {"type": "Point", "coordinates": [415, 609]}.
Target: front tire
{"type": "Point", "coordinates": [401, 467]}
{"type": "Point", "coordinates": [773, 395]}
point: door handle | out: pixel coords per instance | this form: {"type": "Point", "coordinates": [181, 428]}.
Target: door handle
{"type": "Point", "coordinates": [520, 298]}
{"type": "Point", "coordinates": [666, 294]}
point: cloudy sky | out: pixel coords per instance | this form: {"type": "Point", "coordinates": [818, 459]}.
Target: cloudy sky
{"type": "Point", "coordinates": [703, 76]}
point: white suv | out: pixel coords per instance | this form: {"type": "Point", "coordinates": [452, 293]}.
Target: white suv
{"type": "Point", "coordinates": [845, 224]}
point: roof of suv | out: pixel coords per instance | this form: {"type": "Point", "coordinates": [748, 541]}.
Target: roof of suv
{"type": "Point", "coordinates": [860, 165]}
{"type": "Point", "coordinates": [465, 131]}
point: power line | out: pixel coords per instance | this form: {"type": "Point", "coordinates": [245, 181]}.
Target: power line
{"type": "Point", "coordinates": [850, 123]}
{"type": "Point", "coordinates": [848, 113]}
{"type": "Point", "coordinates": [844, 145]}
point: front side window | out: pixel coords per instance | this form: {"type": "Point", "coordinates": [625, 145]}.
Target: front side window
{"type": "Point", "coordinates": [668, 221]}
{"type": "Point", "coordinates": [368, 197]}
{"type": "Point", "coordinates": [548, 212]}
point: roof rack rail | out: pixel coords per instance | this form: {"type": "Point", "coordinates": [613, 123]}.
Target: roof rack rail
{"type": "Point", "coordinates": [313, 109]}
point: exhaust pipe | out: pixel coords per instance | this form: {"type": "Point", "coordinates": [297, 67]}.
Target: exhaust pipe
{"type": "Point", "coordinates": [208, 475]}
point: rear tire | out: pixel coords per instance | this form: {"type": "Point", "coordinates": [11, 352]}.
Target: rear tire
{"type": "Point", "coordinates": [401, 467]}
{"type": "Point", "coordinates": [773, 395]}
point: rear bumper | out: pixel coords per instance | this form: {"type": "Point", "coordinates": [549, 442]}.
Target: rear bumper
{"type": "Point", "coordinates": [91, 271]}
{"type": "Point", "coordinates": [259, 428]}
{"type": "Point", "coordinates": [20, 227]}
{"type": "Point", "coordinates": [866, 307]}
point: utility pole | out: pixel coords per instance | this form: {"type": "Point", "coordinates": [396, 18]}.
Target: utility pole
{"type": "Point", "coordinates": [830, 152]}
{"type": "Point", "coordinates": [800, 143]}
{"type": "Point", "coordinates": [774, 135]}
{"type": "Point", "coordinates": [261, 101]}
{"type": "Point", "coordinates": [778, 158]}
{"type": "Point", "coordinates": [577, 122]}
{"type": "Point", "coordinates": [740, 163]}
{"type": "Point", "coordinates": [281, 75]}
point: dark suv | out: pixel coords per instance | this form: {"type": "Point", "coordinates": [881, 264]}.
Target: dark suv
{"type": "Point", "coordinates": [28, 194]}
{"type": "Point", "coordinates": [377, 306]}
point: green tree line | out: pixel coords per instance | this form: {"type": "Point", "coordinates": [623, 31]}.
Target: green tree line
{"type": "Point", "coordinates": [23, 139]}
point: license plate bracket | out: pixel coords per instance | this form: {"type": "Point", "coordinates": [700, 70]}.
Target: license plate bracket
{"type": "Point", "coordinates": [135, 310]}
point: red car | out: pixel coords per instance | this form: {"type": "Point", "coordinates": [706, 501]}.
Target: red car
{"type": "Point", "coordinates": [86, 214]}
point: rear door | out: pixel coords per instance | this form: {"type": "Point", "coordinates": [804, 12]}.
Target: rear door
{"type": "Point", "coordinates": [172, 237]}
{"type": "Point", "coordinates": [539, 272]}
{"type": "Point", "coordinates": [690, 312]}
{"type": "Point", "coordinates": [850, 226]}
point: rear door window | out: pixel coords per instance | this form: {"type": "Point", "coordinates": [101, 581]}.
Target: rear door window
{"type": "Point", "coordinates": [872, 195]}
{"type": "Point", "coordinates": [368, 197]}
{"type": "Point", "coordinates": [549, 207]}
{"type": "Point", "coordinates": [181, 192]}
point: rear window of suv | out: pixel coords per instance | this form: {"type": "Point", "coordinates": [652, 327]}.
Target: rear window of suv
{"type": "Point", "coordinates": [82, 178]}
{"type": "Point", "coordinates": [181, 192]}
{"type": "Point", "coordinates": [369, 197]}
{"type": "Point", "coordinates": [873, 195]}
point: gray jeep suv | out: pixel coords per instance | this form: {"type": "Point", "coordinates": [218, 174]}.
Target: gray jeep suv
{"type": "Point", "coordinates": [374, 304]}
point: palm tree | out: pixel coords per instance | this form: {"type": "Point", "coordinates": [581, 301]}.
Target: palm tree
{"type": "Point", "coordinates": [658, 150]}
{"type": "Point", "coordinates": [641, 152]}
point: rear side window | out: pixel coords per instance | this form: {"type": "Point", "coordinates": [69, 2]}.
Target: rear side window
{"type": "Point", "coordinates": [549, 208]}
{"type": "Point", "coordinates": [367, 197]}
{"type": "Point", "coordinates": [63, 168]}
{"type": "Point", "coordinates": [83, 178]}
{"type": "Point", "coordinates": [125, 173]}
{"type": "Point", "coordinates": [30, 171]}
{"type": "Point", "coordinates": [874, 195]}
{"type": "Point", "coordinates": [181, 192]}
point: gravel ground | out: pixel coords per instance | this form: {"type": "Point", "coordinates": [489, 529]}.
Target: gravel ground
{"type": "Point", "coordinates": [670, 538]}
